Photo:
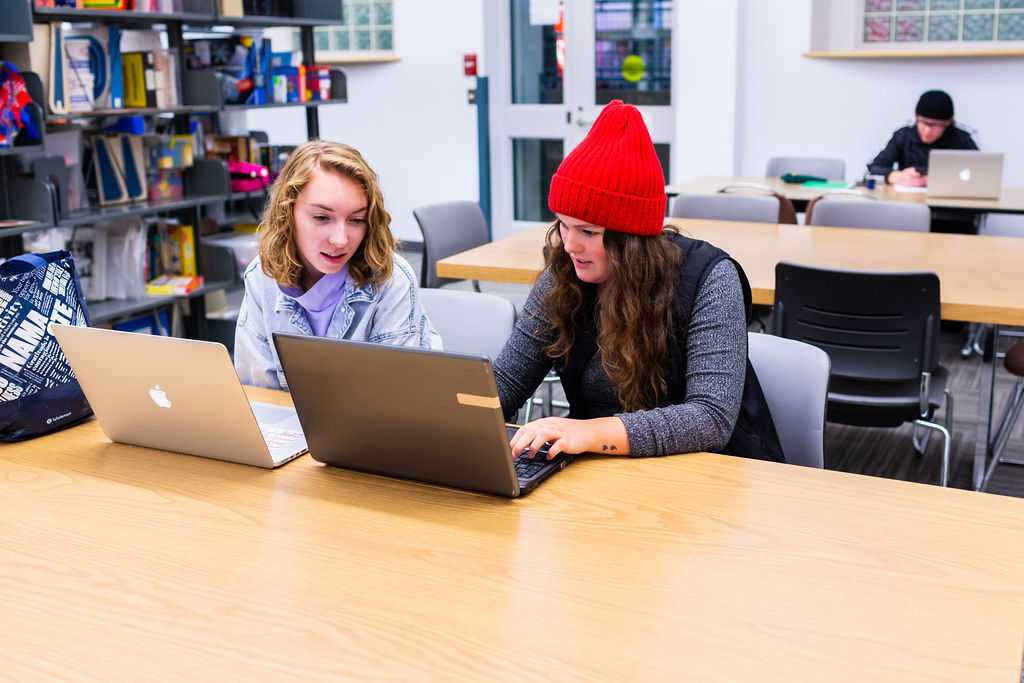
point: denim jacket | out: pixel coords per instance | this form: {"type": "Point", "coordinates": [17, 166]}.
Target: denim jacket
{"type": "Point", "coordinates": [388, 314]}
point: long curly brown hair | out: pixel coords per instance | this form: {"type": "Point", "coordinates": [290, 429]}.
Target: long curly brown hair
{"type": "Point", "coordinates": [633, 311]}
{"type": "Point", "coordinates": [279, 255]}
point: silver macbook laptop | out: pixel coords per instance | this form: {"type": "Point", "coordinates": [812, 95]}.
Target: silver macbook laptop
{"type": "Point", "coordinates": [176, 395]}
{"type": "Point", "coordinates": [965, 174]}
{"type": "Point", "coordinates": [431, 416]}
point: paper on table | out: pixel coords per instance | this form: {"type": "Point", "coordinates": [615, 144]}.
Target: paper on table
{"type": "Point", "coordinates": [909, 188]}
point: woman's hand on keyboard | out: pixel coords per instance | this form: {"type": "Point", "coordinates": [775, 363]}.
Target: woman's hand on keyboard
{"type": "Point", "coordinates": [604, 435]}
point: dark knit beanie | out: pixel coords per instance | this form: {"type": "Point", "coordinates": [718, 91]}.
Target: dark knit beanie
{"type": "Point", "coordinates": [935, 104]}
{"type": "Point", "coordinates": [613, 178]}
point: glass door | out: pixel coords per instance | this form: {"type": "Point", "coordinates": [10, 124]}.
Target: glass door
{"type": "Point", "coordinates": [553, 65]}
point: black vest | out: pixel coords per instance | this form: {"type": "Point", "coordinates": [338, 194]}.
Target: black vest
{"type": "Point", "coordinates": [754, 435]}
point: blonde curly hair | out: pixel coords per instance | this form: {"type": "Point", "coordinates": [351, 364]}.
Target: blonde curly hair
{"type": "Point", "coordinates": [372, 262]}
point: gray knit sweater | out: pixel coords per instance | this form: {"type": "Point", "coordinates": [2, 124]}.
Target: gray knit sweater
{"type": "Point", "coordinates": [716, 353]}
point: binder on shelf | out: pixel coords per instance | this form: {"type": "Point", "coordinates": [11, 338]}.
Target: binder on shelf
{"type": "Point", "coordinates": [118, 169]}
{"type": "Point", "coordinates": [85, 68]}
{"type": "Point", "coordinates": [139, 79]}
{"type": "Point", "coordinates": [182, 240]}
{"type": "Point", "coordinates": [166, 78]}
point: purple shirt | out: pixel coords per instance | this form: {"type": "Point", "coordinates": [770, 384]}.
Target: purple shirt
{"type": "Point", "coordinates": [321, 299]}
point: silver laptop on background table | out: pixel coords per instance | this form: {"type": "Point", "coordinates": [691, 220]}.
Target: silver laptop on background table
{"type": "Point", "coordinates": [176, 395]}
{"type": "Point", "coordinates": [965, 174]}
{"type": "Point", "coordinates": [431, 416]}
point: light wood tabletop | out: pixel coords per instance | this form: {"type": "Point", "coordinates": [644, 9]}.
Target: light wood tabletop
{"type": "Point", "coordinates": [1011, 199]}
{"type": "Point", "coordinates": [979, 275]}
{"type": "Point", "coordinates": [121, 562]}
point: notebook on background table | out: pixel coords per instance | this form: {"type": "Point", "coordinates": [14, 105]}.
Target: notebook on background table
{"type": "Point", "coordinates": [177, 395]}
{"type": "Point", "coordinates": [965, 174]}
{"type": "Point", "coordinates": [431, 416]}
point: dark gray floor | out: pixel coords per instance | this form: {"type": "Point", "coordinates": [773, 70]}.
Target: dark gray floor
{"type": "Point", "coordinates": [889, 452]}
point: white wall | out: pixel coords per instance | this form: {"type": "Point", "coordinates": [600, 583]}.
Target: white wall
{"type": "Point", "coordinates": [793, 105]}
{"type": "Point", "coordinates": [743, 94]}
{"type": "Point", "coordinates": [410, 118]}
{"type": "Point", "coordinates": [706, 92]}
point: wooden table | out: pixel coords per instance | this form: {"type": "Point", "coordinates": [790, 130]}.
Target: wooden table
{"type": "Point", "coordinates": [1011, 200]}
{"type": "Point", "coordinates": [125, 563]}
{"type": "Point", "coordinates": [979, 275]}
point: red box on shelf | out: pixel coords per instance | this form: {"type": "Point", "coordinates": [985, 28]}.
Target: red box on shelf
{"type": "Point", "coordinates": [318, 83]}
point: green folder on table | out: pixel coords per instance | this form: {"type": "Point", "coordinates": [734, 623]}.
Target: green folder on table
{"type": "Point", "coordinates": [827, 184]}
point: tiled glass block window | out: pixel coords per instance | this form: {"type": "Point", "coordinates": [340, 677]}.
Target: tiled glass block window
{"type": "Point", "coordinates": [942, 21]}
{"type": "Point", "coordinates": [368, 27]}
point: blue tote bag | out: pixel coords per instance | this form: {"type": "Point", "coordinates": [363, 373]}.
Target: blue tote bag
{"type": "Point", "coordinates": [38, 390]}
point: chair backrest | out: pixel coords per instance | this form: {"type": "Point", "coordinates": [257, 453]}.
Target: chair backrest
{"type": "Point", "coordinates": [727, 207]}
{"type": "Point", "coordinates": [822, 167]}
{"type": "Point", "coordinates": [873, 325]}
{"type": "Point", "coordinates": [448, 228]}
{"type": "Point", "coordinates": [783, 365]}
{"type": "Point", "coordinates": [1003, 224]}
{"type": "Point", "coordinates": [844, 212]}
{"type": "Point", "coordinates": [787, 212]}
{"type": "Point", "coordinates": [470, 322]}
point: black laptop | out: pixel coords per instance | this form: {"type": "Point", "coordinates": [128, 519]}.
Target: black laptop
{"type": "Point", "coordinates": [431, 416]}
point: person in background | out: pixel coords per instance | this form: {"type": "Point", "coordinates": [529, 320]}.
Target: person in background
{"type": "Point", "coordinates": [646, 327]}
{"type": "Point", "coordinates": [909, 146]}
{"type": "Point", "coordinates": [326, 266]}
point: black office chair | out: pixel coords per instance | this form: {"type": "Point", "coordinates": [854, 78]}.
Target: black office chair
{"type": "Point", "coordinates": [880, 331]}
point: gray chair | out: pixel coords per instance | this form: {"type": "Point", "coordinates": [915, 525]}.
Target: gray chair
{"type": "Point", "coordinates": [727, 207]}
{"type": "Point", "coordinates": [1002, 225]}
{"type": "Point", "coordinates": [1014, 364]}
{"type": "Point", "coordinates": [470, 322]}
{"type": "Point", "coordinates": [822, 167]}
{"type": "Point", "coordinates": [448, 228]}
{"type": "Point", "coordinates": [881, 332]}
{"type": "Point", "coordinates": [474, 322]}
{"type": "Point", "coordinates": [997, 225]}
{"type": "Point", "coordinates": [799, 416]}
{"type": "Point", "coordinates": [844, 211]}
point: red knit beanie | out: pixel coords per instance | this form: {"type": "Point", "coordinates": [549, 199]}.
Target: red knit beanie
{"type": "Point", "coordinates": [613, 178]}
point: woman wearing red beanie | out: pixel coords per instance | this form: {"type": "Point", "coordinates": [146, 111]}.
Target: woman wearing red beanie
{"type": "Point", "coordinates": [646, 328]}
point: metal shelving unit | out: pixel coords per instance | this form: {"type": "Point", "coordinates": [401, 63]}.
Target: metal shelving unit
{"type": "Point", "coordinates": [33, 202]}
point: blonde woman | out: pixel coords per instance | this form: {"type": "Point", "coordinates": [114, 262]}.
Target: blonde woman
{"type": "Point", "coordinates": [326, 266]}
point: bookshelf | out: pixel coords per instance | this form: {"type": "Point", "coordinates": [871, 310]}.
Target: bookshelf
{"type": "Point", "coordinates": [29, 204]}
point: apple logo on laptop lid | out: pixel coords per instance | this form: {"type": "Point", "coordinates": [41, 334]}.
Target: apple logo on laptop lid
{"type": "Point", "coordinates": [159, 397]}
{"type": "Point", "coordinates": [965, 175]}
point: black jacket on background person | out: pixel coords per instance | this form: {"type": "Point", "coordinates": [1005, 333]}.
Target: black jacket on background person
{"type": "Point", "coordinates": [905, 149]}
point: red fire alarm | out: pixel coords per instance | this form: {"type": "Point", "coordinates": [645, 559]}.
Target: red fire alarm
{"type": "Point", "coordinates": [469, 65]}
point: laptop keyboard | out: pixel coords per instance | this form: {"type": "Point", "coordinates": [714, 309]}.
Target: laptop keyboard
{"type": "Point", "coordinates": [277, 437]}
{"type": "Point", "coordinates": [527, 466]}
